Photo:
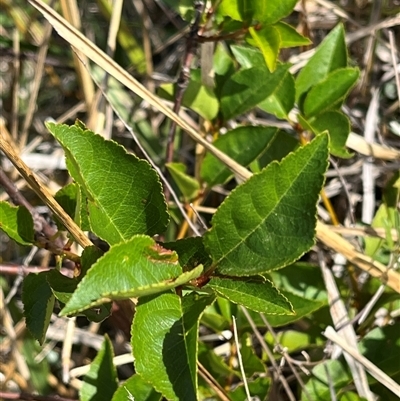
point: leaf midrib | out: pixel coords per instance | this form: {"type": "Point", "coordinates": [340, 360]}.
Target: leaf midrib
{"type": "Point", "coordinates": [263, 221]}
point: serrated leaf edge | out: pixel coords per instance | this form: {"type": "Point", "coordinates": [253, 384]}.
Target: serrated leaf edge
{"type": "Point", "coordinates": [119, 148]}
{"type": "Point", "coordinates": [289, 156]}
{"type": "Point", "coordinates": [138, 291]}
{"type": "Point", "coordinates": [256, 310]}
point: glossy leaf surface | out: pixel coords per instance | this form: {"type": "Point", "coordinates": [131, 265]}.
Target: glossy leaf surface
{"type": "Point", "coordinates": [248, 87]}
{"type": "Point", "coordinates": [137, 388]}
{"type": "Point", "coordinates": [269, 221]}
{"type": "Point", "coordinates": [268, 40]}
{"type": "Point", "coordinates": [338, 126]}
{"type": "Point", "coordinates": [330, 55]}
{"type": "Point", "coordinates": [100, 382]}
{"type": "Point", "coordinates": [135, 268]}
{"type": "Point", "coordinates": [38, 301]}
{"type": "Point", "coordinates": [289, 36]}
{"type": "Point", "coordinates": [188, 185]}
{"type": "Point", "coordinates": [63, 287]}
{"type": "Point", "coordinates": [281, 100]}
{"type": "Point", "coordinates": [17, 223]}
{"type": "Point", "coordinates": [164, 342]}
{"type": "Point", "coordinates": [255, 294]}
{"type": "Point", "coordinates": [330, 92]}
{"type": "Point", "coordinates": [243, 144]}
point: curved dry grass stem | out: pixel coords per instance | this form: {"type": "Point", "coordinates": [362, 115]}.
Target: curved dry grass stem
{"type": "Point", "coordinates": [377, 373]}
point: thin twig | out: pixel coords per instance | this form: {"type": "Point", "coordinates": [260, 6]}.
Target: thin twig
{"type": "Point", "coordinates": [287, 357]}
{"type": "Point", "coordinates": [183, 81]}
{"type": "Point", "coordinates": [203, 372]}
{"type": "Point", "coordinates": [239, 355]}
{"type": "Point", "coordinates": [270, 355]}
{"type": "Point", "coordinates": [374, 371]}
{"type": "Point", "coordinates": [67, 349]}
{"type": "Point", "coordinates": [340, 318]}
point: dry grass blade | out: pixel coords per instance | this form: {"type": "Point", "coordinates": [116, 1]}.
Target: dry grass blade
{"type": "Point", "coordinates": [377, 232]}
{"type": "Point", "coordinates": [378, 374]}
{"type": "Point", "coordinates": [341, 318]}
{"type": "Point", "coordinates": [360, 145]}
{"type": "Point", "coordinates": [239, 355]}
{"type": "Point", "coordinates": [334, 241]}
{"type": "Point", "coordinates": [41, 191]}
{"type": "Point", "coordinates": [71, 11]}
{"type": "Point", "coordinates": [368, 179]}
{"type": "Point", "coordinates": [82, 44]}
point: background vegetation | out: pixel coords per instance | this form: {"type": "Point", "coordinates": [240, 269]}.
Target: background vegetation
{"type": "Point", "coordinates": [257, 92]}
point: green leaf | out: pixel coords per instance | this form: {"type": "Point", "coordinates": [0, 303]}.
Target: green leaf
{"type": "Point", "coordinates": [251, 363]}
{"type": "Point", "coordinates": [214, 364]}
{"type": "Point", "coordinates": [198, 97]}
{"type": "Point", "coordinates": [254, 293]}
{"type": "Point", "coordinates": [223, 66]}
{"type": "Point", "coordinates": [38, 372]}
{"type": "Point", "coordinates": [242, 144]}
{"type": "Point", "coordinates": [268, 40]}
{"type": "Point", "coordinates": [371, 347]}
{"type": "Point", "coordinates": [281, 100]}
{"type": "Point", "coordinates": [301, 306]}
{"type": "Point", "coordinates": [124, 194]}
{"type": "Point", "coordinates": [330, 55]}
{"type": "Point", "coordinates": [164, 342]}
{"type": "Point", "coordinates": [215, 320]}
{"type": "Point", "coordinates": [293, 341]}
{"type": "Point", "coordinates": [289, 36]}
{"type": "Point", "coordinates": [134, 268]}
{"type": "Point", "coordinates": [267, 12]}
{"type": "Point", "coordinates": [247, 88]}
{"type": "Point", "coordinates": [326, 375]}
{"type": "Point", "coordinates": [63, 287]}
{"type": "Point", "coordinates": [258, 388]}
{"type": "Point", "coordinates": [238, 10]}
{"type": "Point", "coordinates": [191, 252]}
{"type": "Point", "coordinates": [280, 147]}
{"type": "Point", "coordinates": [17, 223]}
{"type": "Point", "coordinates": [72, 199]}
{"type": "Point", "coordinates": [330, 92]}
{"type": "Point", "coordinates": [248, 56]}
{"type": "Point", "coordinates": [138, 389]}
{"type": "Point", "coordinates": [188, 186]}
{"type": "Point", "coordinates": [301, 279]}
{"type": "Point", "coordinates": [38, 301]}
{"type": "Point", "coordinates": [338, 126]}
{"type": "Point", "coordinates": [264, 224]}
{"type": "Point", "coordinates": [271, 11]}
{"type": "Point", "coordinates": [67, 198]}
{"type": "Point", "coordinates": [351, 396]}
{"type": "Point", "coordinates": [101, 381]}
{"type": "Point", "coordinates": [379, 248]}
